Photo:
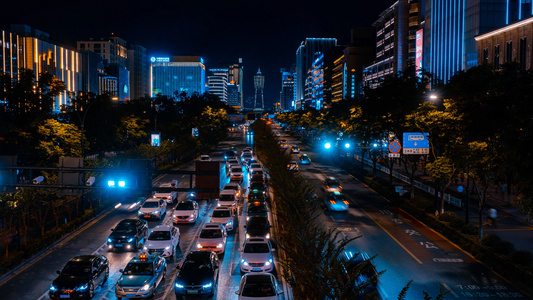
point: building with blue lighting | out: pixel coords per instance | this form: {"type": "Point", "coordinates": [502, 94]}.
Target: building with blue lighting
{"type": "Point", "coordinates": [172, 76]}
{"type": "Point", "coordinates": [235, 76]}
{"type": "Point", "coordinates": [259, 86]}
{"type": "Point", "coordinates": [286, 97]}
{"type": "Point", "coordinates": [217, 81]}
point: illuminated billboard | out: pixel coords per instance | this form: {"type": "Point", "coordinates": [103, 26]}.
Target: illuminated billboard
{"type": "Point", "coordinates": [155, 139]}
{"type": "Point", "coordinates": [419, 46]}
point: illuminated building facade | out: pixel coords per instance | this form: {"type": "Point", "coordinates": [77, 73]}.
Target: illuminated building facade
{"type": "Point", "coordinates": [41, 55]}
{"type": "Point", "coordinates": [234, 96]}
{"type": "Point", "coordinates": [172, 76]}
{"type": "Point", "coordinates": [316, 83]}
{"type": "Point", "coordinates": [508, 44]}
{"type": "Point", "coordinates": [139, 67]}
{"type": "Point", "coordinates": [9, 53]}
{"type": "Point", "coordinates": [235, 75]}
{"type": "Point", "coordinates": [92, 66]}
{"type": "Point", "coordinates": [217, 81]}
{"type": "Point", "coordinates": [287, 89]}
{"type": "Point", "coordinates": [306, 54]}
{"type": "Point", "coordinates": [259, 86]}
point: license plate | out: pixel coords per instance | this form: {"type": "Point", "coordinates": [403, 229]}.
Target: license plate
{"type": "Point", "coordinates": [256, 269]}
{"type": "Point", "coordinates": [192, 291]}
{"type": "Point", "coordinates": [130, 295]}
{"type": "Point", "coordinates": [118, 245]}
{"type": "Point", "coordinates": [64, 296]}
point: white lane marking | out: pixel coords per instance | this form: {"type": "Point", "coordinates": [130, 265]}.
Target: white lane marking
{"type": "Point", "coordinates": [449, 289]}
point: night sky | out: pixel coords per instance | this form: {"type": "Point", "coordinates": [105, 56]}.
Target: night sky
{"type": "Point", "coordinates": [265, 34]}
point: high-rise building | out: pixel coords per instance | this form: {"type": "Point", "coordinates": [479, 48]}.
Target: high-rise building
{"type": "Point", "coordinates": [235, 75]}
{"type": "Point", "coordinates": [42, 55]}
{"type": "Point", "coordinates": [316, 83]}
{"type": "Point", "coordinates": [259, 86]}
{"type": "Point", "coordinates": [93, 69]}
{"type": "Point", "coordinates": [234, 96]}
{"type": "Point", "coordinates": [217, 81]}
{"type": "Point", "coordinates": [139, 68]}
{"type": "Point", "coordinates": [306, 54]}
{"type": "Point", "coordinates": [172, 76]}
{"type": "Point", "coordinates": [287, 88]}
{"type": "Point", "coordinates": [9, 53]}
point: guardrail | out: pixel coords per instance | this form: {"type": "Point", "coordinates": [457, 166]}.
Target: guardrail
{"type": "Point", "coordinates": [426, 188]}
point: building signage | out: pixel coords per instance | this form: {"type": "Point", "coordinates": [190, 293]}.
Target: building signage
{"type": "Point", "coordinates": [155, 139]}
{"type": "Point", "coordinates": [419, 47]}
{"type": "Point", "coordinates": [415, 143]}
{"type": "Point", "coordinates": [160, 59]}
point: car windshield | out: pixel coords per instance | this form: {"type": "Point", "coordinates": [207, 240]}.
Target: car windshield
{"type": "Point", "coordinates": [256, 248]}
{"type": "Point", "coordinates": [231, 187]}
{"type": "Point", "coordinates": [236, 169]}
{"type": "Point", "coordinates": [332, 182]}
{"type": "Point", "coordinates": [257, 186]}
{"type": "Point", "coordinates": [304, 157]}
{"type": "Point", "coordinates": [185, 206]}
{"type": "Point", "coordinates": [247, 155]}
{"type": "Point", "coordinates": [258, 289]}
{"type": "Point", "coordinates": [76, 269]}
{"type": "Point", "coordinates": [194, 265]}
{"type": "Point", "coordinates": [139, 269]}
{"type": "Point", "coordinates": [211, 233]}
{"type": "Point", "coordinates": [256, 166]}
{"type": "Point", "coordinates": [221, 214]}
{"type": "Point", "coordinates": [124, 227]}
{"type": "Point", "coordinates": [226, 198]}
{"type": "Point", "coordinates": [258, 222]}
{"type": "Point", "coordinates": [256, 209]}
{"type": "Point", "coordinates": [159, 236]}
{"type": "Point", "coordinates": [151, 204]}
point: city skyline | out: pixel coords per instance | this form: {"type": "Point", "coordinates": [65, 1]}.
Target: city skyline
{"type": "Point", "coordinates": [262, 34]}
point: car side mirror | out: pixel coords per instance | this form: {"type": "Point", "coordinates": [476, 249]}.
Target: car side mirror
{"type": "Point", "coordinates": [58, 272]}
{"type": "Point", "coordinates": [240, 250]}
{"type": "Point", "coordinates": [197, 236]}
{"type": "Point", "coordinates": [177, 267]}
{"type": "Point", "coordinates": [237, 292]}
{"type": "Point", "coordinates": [121, 270]}
{"type": "Point", "coordinates": [210, 215]}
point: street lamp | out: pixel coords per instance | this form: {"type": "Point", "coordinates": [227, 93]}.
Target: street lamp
{"type": "Point", "coordinates": [433, 97]}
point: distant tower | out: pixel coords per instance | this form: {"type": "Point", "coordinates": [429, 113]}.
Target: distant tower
{"type": "Point", "coordinates": [259, 84]}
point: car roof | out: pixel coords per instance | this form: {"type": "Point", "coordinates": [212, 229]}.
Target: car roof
{"type": "Point", "coordinates": [213, 225]}
{"type": "Point", "coordinates": [228, 192]}
{"type": "Point", "coordinates": [128, 221]}
{"type": "Point", "coordinates": [222, 208]}
{"type": "Point", "coordinates": [256, 240]}
{"type": "Point", "coordinates": [152, 199]}
{"type": "Point", "coordinates": [162, 228]}
{"type": "Point", "coordinates": [83, 258]}
{"type": "Point", "coordinates": [198, 254]}
{"type": "Point", "coordinates": [258, 277]}
{"type": "Point", "coordinates": [142, 258]}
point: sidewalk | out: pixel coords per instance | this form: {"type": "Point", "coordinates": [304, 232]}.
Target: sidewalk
{"type": "Point", "coordinates": [510, 225]}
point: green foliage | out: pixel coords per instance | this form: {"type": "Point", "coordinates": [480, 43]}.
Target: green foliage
{"type": "Point", "coordinates": [447, 216]}
{"type": "Point", "coordinates": [522, 257]}
{"type": "Point", "coordinates": [490, 240]}
{"type": "Point", "coordinates": [470, 229]}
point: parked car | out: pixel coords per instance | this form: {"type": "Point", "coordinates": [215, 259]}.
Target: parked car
{"type": "Point", "coordinates": [153, 208]}
{"type": "Point", "coordinates": [225, 216]}
{"type": "Point", "coordinates": [129, 234]}
{"type": "Point", "coordinates": [185, 212]}
{"type": "Point", "coordinates": [262, 286]}
{"type": "Point", "coordinates": [336, 201]}
{"type": "Point", "coordinates": [163, 240]}
{"type": "Point", "coordinates": [80, 277]}
{"type": "Point", "coordinates": [197, 275]}
{"type": "Point", "coordinates": [305, 159]}
{"type": "Point", "coordinates": [257, 227]}
{"type": "Point", "coordinates": [141, 277]}
{"type": "Point", "coordinates": [212, 238]}
{"type": "Point", "coordinates": [257, 256]}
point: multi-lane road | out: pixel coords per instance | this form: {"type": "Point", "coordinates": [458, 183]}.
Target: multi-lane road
{"type": "Point", "coordinates": [404, 248]}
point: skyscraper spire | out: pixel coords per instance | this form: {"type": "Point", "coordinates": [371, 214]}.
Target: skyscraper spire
{"type": "Point", "coordinates": [259, 84]}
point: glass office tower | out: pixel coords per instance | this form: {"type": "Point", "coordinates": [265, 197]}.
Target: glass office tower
{"type": "Point", "coordinates": [179, 74]}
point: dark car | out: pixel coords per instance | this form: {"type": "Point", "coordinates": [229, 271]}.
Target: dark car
{"type": "Point", "coordinates": [258, 178]}
{"type": "Point", "coordinates": [256, 197]}
{"type": "Point", "coordinates": [258, 227]}
{"type": "Point", "coordinates": [363, 274]}
{"type": "Point", "coordinates": [305, 159]}
{"type": "Point", "coordinates": [129, 234]}
{"type": "Point", "coordinates": [256, 209]}
{"type": "Point", "coordinates": [197, 275]}
{"type": "Point", "coordinates": [80, 277]}
{"type": "Point", "coordinates": [257, 187]}
{"type": "Point", "coordinates": [229, 154]}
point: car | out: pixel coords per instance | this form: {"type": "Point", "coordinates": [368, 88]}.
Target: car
{"type": "Point", "coordinates": [283, 144]}
{"type": "Point", "coordinates": [295, 149]}
{"type": "Point", "coordinates": [197, 275]}
{"type": "Point", "coordinates": [248, 149]}
{"type": "Point", "coordinates": [212, 238]}
{"type": "Point", "coordinates": [257, 256]}
{"type": "Point", "coordinates": [258, 187]}
{"type": "Point", "coordinates": [185, 212]}
{"type": "Point", "coordinates": [262, 286]}
{"type": "Point", "coordinates": [336, 201]}
{"type": "Point", "coordinates": [236, 173]}
{"type": "Point", "coordinates": [245, 157]}
{"type": "Point", "coordinates": [205, 157]}
{"type": "Point", "coordinates": [257, 178]}
{"type": "Point", "coordinates": [256, 197]}
{"type": "Point", "coordinates": [80, 277]}
{"type": "Point", "coordinates": [252, 161]}
{"type": "Point", "coordinates": [360, 264]}
{"type": "Point", "coordinates": [141, 277]}
{"type": "Point", "coordinates": [293, 166]}
{"type": "Point", "coordinates": [258, 172]}
{"type": "Point", "coordinates": [171, 196]}
{"type": "Point", "coordinates": [230, 154]}
{"type": "Point", "coordinates": [225, 216]}
{"type": "Point", "coordinates": [163, 240]}
{"type": "Point", "coordinates": [256, 208]}
{"type": "Point", "coordinates": [332, 183]}
{"type": "Point", "coordinates": [305, 159]}
{"type": "Point", "coordinates": [257, 227]}
{"type": "Point", "coordinates": [233, 162]}
{"type": "Point", "coordinates": [128, 234]}
{"type": "Point", "coordinates": [255, 166]}
{"type": "Point", "coordinates": [233, 186]}
{"type": "Point", "coordinates": [228, 198]}
{"type": "Point", "coordinates": [153, 208]}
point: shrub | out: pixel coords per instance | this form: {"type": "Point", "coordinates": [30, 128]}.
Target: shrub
{"type": "Point", "coordinates": [457, 223]}
{"type": "Point", "coordinates": [423, 203]}
{"type": "Point", "coordinates": [522, 257]}
{"type": "Point", "coordinates": [489, 240]}
{"type": "Point", "coordinates": [447, 216]}
{"type": "Point", "coordinates": [470, 229]}
{"type": "Point", "coordinates": [503, 247]}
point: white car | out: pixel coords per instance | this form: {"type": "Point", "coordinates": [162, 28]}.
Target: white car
{"type": "Point", "coordinates": [205, 158]}
{"type": "Point", "coordinates": [185, 212]}
{"type": "Point", "coordinates": [233, 186]}
{"type": "Point", "coordinates": [153, 208]}
{"type": "Point", "coordinates": [228, 198]}
{"type": "Point", "coordinates": [262, 286]}
{"type": "Point", "coordinates": [171, 196]}
{"type": "Point", "coordinates": [257, 256]}
{"type": "Point", "coordinates": [236, 173]}
{"type": "Point", "coordinates": [212, 238]}
{"type": "Point", "coordinates": [255, 166]}
{"type": "Point", "coordinates": [163, 240]}
{"type": "Point", "coordinates": [225, 216]}
{"type": "Point", "coordinates": [246, 156]}
{"type": "Point", "coordinates": [233, 162]}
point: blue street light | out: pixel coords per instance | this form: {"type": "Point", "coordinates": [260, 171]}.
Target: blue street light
{"type": "Point", "coordinates": [122, 183]}
{"type": "Point", "coordinates": [327, 145]}
{"type": "Point", "coordinates": [111, 183]}
{"type": "Point", "coordinates": [347, 145]}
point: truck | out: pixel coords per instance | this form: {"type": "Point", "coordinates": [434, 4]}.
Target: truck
{"type": "Point", "coordinates": [207, 180]}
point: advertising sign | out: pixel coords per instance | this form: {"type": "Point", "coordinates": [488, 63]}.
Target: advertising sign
{"type": "Point", "coordinates": [415, 143]}
{"type": "Point", "coordinates": [155, 139]}
{"type": "Point", "coordinates": [419, 47]}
